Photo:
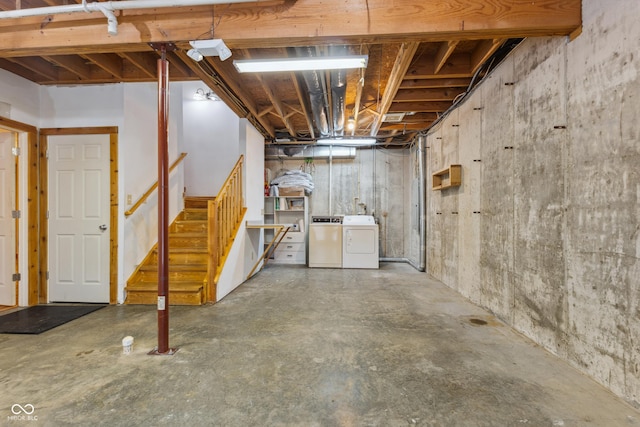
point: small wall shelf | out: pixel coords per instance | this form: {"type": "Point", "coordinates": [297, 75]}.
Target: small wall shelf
{"type": "Point", "coordinates": [446, 178]}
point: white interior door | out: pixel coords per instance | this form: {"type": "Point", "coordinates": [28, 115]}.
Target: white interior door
{"type": "Point", "coordinates": [78, 218]}
{"type": "Point", "coordinates": [7, 222]}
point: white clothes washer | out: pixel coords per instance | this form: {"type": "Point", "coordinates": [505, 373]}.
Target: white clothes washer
{"type": "Point", "coordinates": [359, 242]}
{"type": "Point", "coordinates": [325, 242]}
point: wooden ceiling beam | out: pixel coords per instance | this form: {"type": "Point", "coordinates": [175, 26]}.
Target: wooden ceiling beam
{"type": "Point", "coordinates": [73, 64]}
{"type": "Point", "coordinates": [435, 83]}
{"type": "Point", "coordinates": [402, 63]}
{"type": "Point", "coordinates": [426, 107]}
{"type": "Point", "coordinates": [143, 62]}
{"type": "Point", "coordinates": [457, 66]}
{"type": "Point", "coordinates": [300, 94]}
{"type": "Point", "coordinates": [420, 117]}
{"type": "Point", "coordinates": [444, 52]}
{"type": "Point", "coordinates": [110, 63]}
{"type": "Point", "coordinates": [265, 82]}
{"type": "Point", "coordinates": [485, 49]}
{"type": "Point", "coordinates": [38, 66]}
{"type": "Point", "coordinates": [19, 70]}
{"type": "Point", "coordinates": [406, 126]}
{"type": "Point", "coordinates": [330, 21]}
{"type": "Point", "coordinates": [293, 109]}
{"type": "Point", "coordinates": [444, 94]}
{"type": "Point", "coordinates": [177, 65]}
{"type": "Point", "coordinates": [358, 99]}
{"type": "Point", "coordinates": [264, 111]}
{"type": "Point", "coordinates": [277, 104]}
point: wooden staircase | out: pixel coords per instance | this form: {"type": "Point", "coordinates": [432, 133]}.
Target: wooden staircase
{"type": "Point", "coordinates": [188, 260]}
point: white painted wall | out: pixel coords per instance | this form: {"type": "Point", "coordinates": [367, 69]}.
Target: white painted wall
{"type": "Point", "coordinates": [139, 170]}
{"type": "Point", "coordinates": [215, 137]}
{"type": "Point", "coordinates": [211, 130]}
{"type": "Point", "coordinates": [81, 106]}
{"type": "Point", "coordinates": [248, 244]}
{"type": "Point", "coordinates": [205, 130]}
{"type": "Point", "coordinates": [132, 107]}
{"type": "Point", "coordinates": [19, 99]}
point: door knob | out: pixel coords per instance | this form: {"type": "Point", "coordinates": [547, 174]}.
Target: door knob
{"type": "Point", "coordinates": [103, 227]}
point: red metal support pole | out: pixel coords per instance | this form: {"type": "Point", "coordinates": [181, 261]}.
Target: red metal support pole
{"type": "Point", "coordinates": [163, 206]}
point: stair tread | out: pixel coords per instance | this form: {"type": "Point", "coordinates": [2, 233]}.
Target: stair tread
{"type": "Point", "coordinates": [154, 279]}
{"type": "Point", "coordinates": [188, 251]}
{"type": "Point", "coordinates": [174, 286]}
{"type": "Point", "coordinates": [195, 233]}
{"type": "Point", "coordinates": [187, 233]}
{"type": "Point", "coordinates": [191, 249]}
{"type": "Point", "coordinates": [176, 268]}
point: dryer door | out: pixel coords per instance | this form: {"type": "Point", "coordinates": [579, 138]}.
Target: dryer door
{"type": "Point", "coordinates": [360, 241]}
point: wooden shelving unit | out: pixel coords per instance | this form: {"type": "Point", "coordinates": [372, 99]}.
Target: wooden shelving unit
{"type": "Point", "coordinates": [447, 178]}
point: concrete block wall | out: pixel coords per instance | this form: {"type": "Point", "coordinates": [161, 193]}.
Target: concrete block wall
{"type": "Point", "coordinates": [545, 229]}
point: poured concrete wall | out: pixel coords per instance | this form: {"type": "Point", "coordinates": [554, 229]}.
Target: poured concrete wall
{"type": "Point", "coordinates": [544, 230]}
{"type": "Point", "coordinates": [376, 182]}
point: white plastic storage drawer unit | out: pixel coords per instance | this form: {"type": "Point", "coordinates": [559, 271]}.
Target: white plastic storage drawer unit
{"type": "Point", "coordinates": [292, 249]}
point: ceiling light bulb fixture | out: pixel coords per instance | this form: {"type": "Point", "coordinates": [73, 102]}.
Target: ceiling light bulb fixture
{"type": "Point", "coordinates": [195, 55]}
{"type": "Point", "coordinates": [201, 95]}
{"type": "Point", "coordinates": [213, 47]}
{"type": "Point", "coordinates": [301, 64]}
{"type": "Point", "coordinates": [346, 141]}
{"type": "Point", "coordinates": [351, 123]}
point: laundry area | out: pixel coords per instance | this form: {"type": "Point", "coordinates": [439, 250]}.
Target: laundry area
{"type": "Point", "coordinates": [299, 346]}
{"type": "Point", "coordinates": [343, 242]}
{"type": "Point", "coordinates": [331, 203]}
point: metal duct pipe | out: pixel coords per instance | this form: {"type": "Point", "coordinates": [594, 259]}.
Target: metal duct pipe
{"type": "Point", "coordinates": [338, 82]}
{"type": "Point", "coordinates": [317, 95]}
{"type": "Point", "coordinates": [338, 92]}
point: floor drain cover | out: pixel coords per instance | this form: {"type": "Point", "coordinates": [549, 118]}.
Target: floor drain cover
{"type": "Point", "coordinates": [478, 321]}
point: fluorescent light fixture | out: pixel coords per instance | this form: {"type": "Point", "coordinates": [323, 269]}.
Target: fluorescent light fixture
{"type": "Point", "coordinates": [301, 64]}
{"type": "Point", "coordinates": [213, 47]}
{"type": "Point", "coordinates": [346, 141]}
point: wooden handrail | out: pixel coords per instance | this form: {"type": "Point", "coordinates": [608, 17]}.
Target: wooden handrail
{"type": "Point", "coordinates": [153, 187]}
{"type": "Point", "coordinates": [225, 214]}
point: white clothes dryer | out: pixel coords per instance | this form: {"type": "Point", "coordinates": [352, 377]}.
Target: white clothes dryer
{"type": "Point", "coordinates": [359, 242]}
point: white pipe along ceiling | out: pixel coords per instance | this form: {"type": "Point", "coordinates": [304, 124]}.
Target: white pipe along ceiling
{"type": "Point", "coordinates": [107, 8]}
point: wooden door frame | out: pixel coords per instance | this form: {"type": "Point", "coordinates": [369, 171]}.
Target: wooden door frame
{"type": "Point", "coordinates": [43, 167]}
{"type": "Point", "coordinates": [33, 273]}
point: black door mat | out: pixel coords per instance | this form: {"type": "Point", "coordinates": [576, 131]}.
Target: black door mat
{"type": "Point", "coordinates": [40, 318]}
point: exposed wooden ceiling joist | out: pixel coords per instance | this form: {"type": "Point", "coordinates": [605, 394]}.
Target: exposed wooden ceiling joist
{"type": "Point", "coordinates": [423, 54]}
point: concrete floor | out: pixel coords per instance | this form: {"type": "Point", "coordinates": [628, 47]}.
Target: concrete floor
{"type": "Point", "coordinates": [303, 347]}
